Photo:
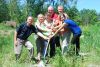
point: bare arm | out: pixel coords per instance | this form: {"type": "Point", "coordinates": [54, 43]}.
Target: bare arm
{"type": "Point", "coordinates": [57, 27]}
{"type": "Point", "coordinates": [64, 24]}
{"type": "Point", "coordinates": [57, 24]}
{"type": "Point", "coordinates": [41, 35]}
{"type": "Point", "coordinates": [15, 38]}
{"type": "Point", "coordinates": [40, 28]}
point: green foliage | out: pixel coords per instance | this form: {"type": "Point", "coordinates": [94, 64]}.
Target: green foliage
{"type": "Point", "coordinates": [90, 44]}
{"type": "Point", "coordinates": [88, 16]}
{"type": "Point", "coordinates": [4, 14]}
{"type": "Point", "coordinates": [34, 7]}
{"type": "Point", "coordinates": [72, 12]}
{"type": "Point", "coordinates": [14, 11]}
{"type": "Point", "coordinates": [5, 27]}
{"type": "Point", "coordinates": [83, 17]}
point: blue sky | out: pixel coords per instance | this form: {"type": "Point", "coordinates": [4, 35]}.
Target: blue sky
{"type": "Point", "coordinates": [89, 4]}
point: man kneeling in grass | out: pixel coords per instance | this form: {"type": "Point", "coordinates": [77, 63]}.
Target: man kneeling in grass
{"type": "Point", "coordinates": [21, 37]}
{"type": "Point", "coordinates": [75, 29]}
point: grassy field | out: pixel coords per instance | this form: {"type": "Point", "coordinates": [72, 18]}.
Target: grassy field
{"type": "Point", "coordinates": [90, 45]}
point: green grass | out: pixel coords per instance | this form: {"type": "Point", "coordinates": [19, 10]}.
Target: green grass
{"type": "Point", "coordinates": [5, 27]}
{"type": "Point", "coordinates": [90, 43]}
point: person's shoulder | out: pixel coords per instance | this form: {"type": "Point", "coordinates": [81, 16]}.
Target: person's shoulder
{"type": "Point", "coordinates": [55, 14]}
{"type": "Point", "coordinates": [33, 25]}
{"type": "Point", "coordinates": [37, 22]}
{"type": "Point", "coordinates": [23, 23]}
{"type": "Point", "coordinates": [66, 15]}
{"type": "Point", "coordinates": [68, 21]}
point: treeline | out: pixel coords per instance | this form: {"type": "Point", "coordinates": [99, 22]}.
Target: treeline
{"type": "Point", "coordinates": [18, 10]}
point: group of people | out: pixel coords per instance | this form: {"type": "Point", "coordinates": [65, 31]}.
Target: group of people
{"type": "Point", "coordinates": [52, 29]}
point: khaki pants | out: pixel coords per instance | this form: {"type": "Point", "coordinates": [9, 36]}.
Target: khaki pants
{"type": "Point", "coordinates": [20, 44]}
{"type": "Point", "coordinates": [65, 39]}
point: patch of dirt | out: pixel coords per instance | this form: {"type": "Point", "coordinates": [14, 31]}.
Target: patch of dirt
{"type": "Point", "coordinates": [5, 33]}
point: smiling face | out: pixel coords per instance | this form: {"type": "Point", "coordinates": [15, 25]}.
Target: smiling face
{"type": "Point", "coordinates": [60, 9]}
{"type": "Point", "coordinates": [50, 10]}
{"type": "Point", "coordinates": [41, 18]}
{"type": "Point", "coordinates": [48, 17]}
{"type": "Point", "coordinates": [61, 17]}
{"type": "Point", "coordinates": [30, 20]}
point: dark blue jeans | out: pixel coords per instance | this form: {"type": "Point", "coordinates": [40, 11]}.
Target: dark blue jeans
{"type": "Point", "coordinates": [76, 40]}
{"type": "Point", "coordinates": [57, 41]}
{"type": "Point", "coordinates": [52, 47]}
{"type": "Point", "coordinates": [41, 46]}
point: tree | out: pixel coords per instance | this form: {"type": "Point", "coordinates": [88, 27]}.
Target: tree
{"type": "Point", "coordinates": [72, 12]}
{"type": "Point", "coordinates": [19, 12]}
{"type": "Point", "coordinates": [3, 11]}
{"type": "Point", "coordinates": [34, 7]}
{"type": "Point", "coordinates": [14, 11]}
{"type": "Point", "coordinates": [98, 16]}
{"type": "Point", "coordinates": [88, 16]}
{"type": "Point", "coordinates": [65, 3]}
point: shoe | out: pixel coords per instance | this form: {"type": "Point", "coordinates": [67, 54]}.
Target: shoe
{"type": "Point", "coordinates": [36, 60]}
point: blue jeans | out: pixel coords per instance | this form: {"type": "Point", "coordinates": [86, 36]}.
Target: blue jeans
{"type": "Point", "coordinates": [76, 40]}
{"type": "Point", "coordinates": [52, 47]}
{"type": "Point", "coordinates": [41, 46]}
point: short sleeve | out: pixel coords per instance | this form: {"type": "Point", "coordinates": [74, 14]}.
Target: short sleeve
{"type": "Point", "coordinates": [34, 29]}
{"type": "Point", "coordinates": [20, 27]}
{"type": "Point", "coordinates": [65, 21]}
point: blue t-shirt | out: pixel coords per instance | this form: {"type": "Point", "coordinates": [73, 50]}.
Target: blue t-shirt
{"type": "Point", "coordinates": [24, 31]}
{"type": "Point", "coordinates": [75, 29]}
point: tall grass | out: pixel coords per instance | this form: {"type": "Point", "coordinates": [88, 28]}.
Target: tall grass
{"type": "Point", "coordinates": [90, 44]}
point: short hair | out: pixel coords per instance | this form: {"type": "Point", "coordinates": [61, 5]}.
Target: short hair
{"type": "Point", "coordinates": [47, 14]}
{"type": "Point", "coordinates": [50, 7]}
{"type": "Point", "coordinates": [60, 6]}
{"type": "Point", "coordinates": [62, 15]}
{"type": "Point", "coordinates": [29, 16]}
{"type": "Point", "coordinates": [39, 15]}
